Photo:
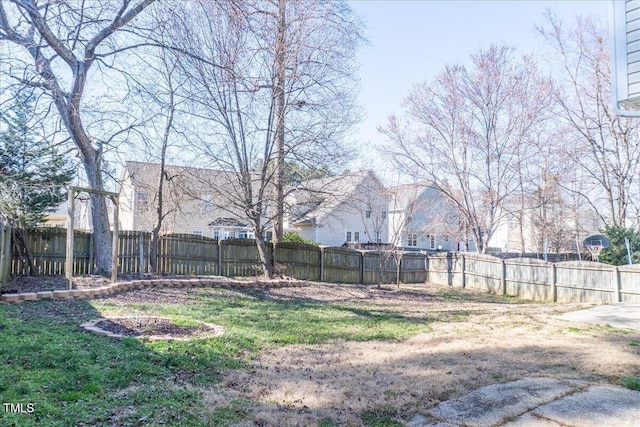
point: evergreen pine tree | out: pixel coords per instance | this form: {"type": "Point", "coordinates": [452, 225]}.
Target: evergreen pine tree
{"type": "Point", "coordinates": [33, 174]}
{"type": "Point", "coordinates": [616, 253]}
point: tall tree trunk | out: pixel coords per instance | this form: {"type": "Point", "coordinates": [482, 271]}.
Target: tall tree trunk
{"type": "Point", "coordinates": [155, 233]}
{"type": "Point", "coordinates": [280, 59]}
{"type": "Point", "coordinates": [40, 39]}
{"type": "Point", "coordinates": [69, 110]}
{"type": "Point", "coordinates": [263, 253]}
{"type": "Point", "coordinates": [100, 217]}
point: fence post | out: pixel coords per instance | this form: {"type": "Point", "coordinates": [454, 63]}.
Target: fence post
{"type": "Point", "coordinates": [322, 264]}
{"type": "Point", "coordinates": [69, 252]}
{"type": "Point", "coordinates": [362, 267]}
{"type": "Point", "coordinates": [427, 268]}
{"type": "Point", "coordinates": [616, 284]}
{"type": "Point", "coordinates": [91, 260]}
{"type": "Point", "coordinates": [553, 283]}
{"type": "Point", "coordinates": [141, 252]}
{"type": "Point", "coordinates": [503, 279]}
{"type": "Point", "coordinates": [219, 256]}
{"type": "Point", "coordinates": [463, 264]}
{"type": "Point", "coordinates": [5, 252]}
{"type": "Point", "coordinates": [116, 240]}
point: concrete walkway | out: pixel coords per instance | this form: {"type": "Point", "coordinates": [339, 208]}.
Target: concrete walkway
{"type": "Point", "coordinates": [547, 402]}
{"type": "Point", "coordinates": [619, 315]}
{"type": "Point", "coordinates": [544, 402]}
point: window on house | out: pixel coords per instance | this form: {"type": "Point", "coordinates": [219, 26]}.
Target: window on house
{"type": "Point", "coordinates": [197, 232]}
{"type": "Point", "coordinates": [230, 235]}
{"type": "Point", "coordinates": [206, 203]}
{"type": "Point", "coordinates": [215, 235]}
{"type": "Point", "coordinates": [412, 239]}
{"type": "Point", "coordinates": [367, 214]}
{"type": "Point", "coordinates": [356, 236]}
{"type": "Point", "coordinates": [348, 236]}
{"type": "Point", "coordinates": [432, 241]}
{"type": "Point", "coordinates": [246, 234]}
{"type": "Point", "coordinates": [142, 196]}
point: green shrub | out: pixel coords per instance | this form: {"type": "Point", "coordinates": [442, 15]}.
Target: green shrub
{"type": "Point", "coordinates": [292, 236]}
{"type": "Point", "coordinates": [616, 253]}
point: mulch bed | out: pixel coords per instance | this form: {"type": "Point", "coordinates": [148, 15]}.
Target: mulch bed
{"type": "Point", "coordinates": [20, 284]}
{"type": "Point", "coordinates": [152, 326]}
{"type": "Point", "coordinates": [52, 283]}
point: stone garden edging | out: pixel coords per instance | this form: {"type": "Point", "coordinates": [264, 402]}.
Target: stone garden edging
{"type": "Point", "coordinates": [119, 287]}
{"type": "Point", "coordinates": [92, 327]}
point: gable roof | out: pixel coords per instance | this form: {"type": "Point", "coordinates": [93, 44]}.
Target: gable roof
{"type": "Point", "coordinates": [313, 200]}
{"type": "Point", "coordinates": [228, 222]}
{"type": "Point", "coordinates": [144, 174]}
{"type": "Point", "coordinates": [402, 196]}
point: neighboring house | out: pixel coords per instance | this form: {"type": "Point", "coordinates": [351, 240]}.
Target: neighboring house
{"type": "Point", "coordinates": [529, 232]}
{"type": "Point", "coordinates": [420, 217]}
{"type": "Point", "coordinates": [350, 210]}
{"type": "Point", "coordinates": [195, 201]}
{"type": "Point", "coordinates": [230, 228]}
{"type": "Point", "coordinates": [82, 214]}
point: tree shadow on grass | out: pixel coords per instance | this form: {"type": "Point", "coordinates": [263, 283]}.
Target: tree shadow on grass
{"type": "Point", "coordinates": [73, 377]}
{"type": "Point", "coordinates": [311, 321]}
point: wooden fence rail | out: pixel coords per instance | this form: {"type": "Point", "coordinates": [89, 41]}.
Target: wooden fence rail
{"type": "Point", "coordinates": [187, 254]}
{"type": "Point", "coordinates": [571, 281]}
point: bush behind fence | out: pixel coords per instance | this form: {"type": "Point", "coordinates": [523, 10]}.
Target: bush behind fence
{"type": "Point", "coordinates": [187, 254]}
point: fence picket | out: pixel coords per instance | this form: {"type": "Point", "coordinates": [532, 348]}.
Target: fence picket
{"type": "Point", "coordinates": [188, 254]}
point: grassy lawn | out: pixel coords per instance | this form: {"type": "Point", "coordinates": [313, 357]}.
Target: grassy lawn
{"type": "Point", "coordinates": [75, 378]}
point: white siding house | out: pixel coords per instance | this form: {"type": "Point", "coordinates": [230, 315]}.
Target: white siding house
{"type": "Point", "coordinates": [420, 217]}
{"type": "Point", "coordinates": [350, 209]}
{"type": "Point", "coordinates": [194, 201]}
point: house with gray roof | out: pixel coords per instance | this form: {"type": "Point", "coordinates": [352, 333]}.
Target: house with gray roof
{"type": "Point", "coordinates": [345, 210]}
{"type": "Point", "coordinates": [422, 218]}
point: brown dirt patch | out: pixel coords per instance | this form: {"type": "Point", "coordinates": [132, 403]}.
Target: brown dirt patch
{"type": "Point", "coordinates": [478, 339]}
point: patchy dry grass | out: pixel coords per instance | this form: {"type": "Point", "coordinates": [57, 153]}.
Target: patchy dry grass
{"type": "Point", "coordinates": [331, 355]}
{"type": "Point", "coordinates": [473, 340]}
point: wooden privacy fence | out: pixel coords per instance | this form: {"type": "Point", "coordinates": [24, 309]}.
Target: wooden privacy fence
{"type": "Point", "coordinates": [187, 254]}
{"type": "Point", "coordinates": [571, 281]}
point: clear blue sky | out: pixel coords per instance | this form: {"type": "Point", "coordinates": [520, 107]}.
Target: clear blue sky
{"type": "Point", "coordinates": [412, 42]}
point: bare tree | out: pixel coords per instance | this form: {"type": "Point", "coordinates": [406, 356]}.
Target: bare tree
{"type": "Point", "coordinates": [372, 204]}
{"type": "Point", "coordinates": [54, 46]}
{"type": "Point", "coordinates": [404, 204]}
{"type": "Point", "coordinates": [605, 146]}
{"type": "Point", "coordinates": [161, 89]}
{"type": "Point", "coordinates": [257, 115]}
{"type": "Point", "coordinates": [468, 130]}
